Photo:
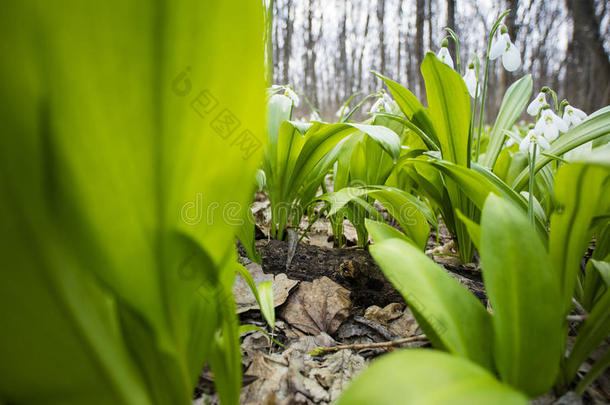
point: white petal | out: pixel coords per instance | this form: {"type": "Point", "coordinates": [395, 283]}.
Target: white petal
{"type": "Point", "coordinates": [445, 57]}
{"type": "Point", "coordinates": [534, 107]}
{"type": "Point", "coordinates": [377, 106]}
{"type": "Point", "coordinates": [559, 123]}
{"type": "Point", "coordinates": [551, 132]}
{"type": "Point", "coordinates": [511, 58]}
{"type": "Point", "coordinates": [471, 82]}
{"type": "Point", "coordinates": [544, 144]}
{"type": "Point", "coordinates": [525, 143]}
{"type": "Point", "coordinates": [498, 47]}
{"type": "Point", "coordinates": [579, 113]}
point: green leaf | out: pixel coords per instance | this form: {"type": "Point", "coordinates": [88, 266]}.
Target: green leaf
{"type": "Point", "coordinates": [595, 126]}
{"type": "Point", "coordinates": [594, 331]}
{"type": "Point", "coordinates": [474, 229]}
{"type": "Point", "coordinates": [263, 294]}
{"type": "Point", "coordinates": [266, 303]}
{"type": "Point", "coordinates": [110, 156]}
{"type": "Point", "coordinates": [514, 101]}
{"type": "Point", "coordinates": [450, 315]}
{"type": "Point", "coordinates": [581, 190]}
{"type": "Point", "coordinates": [449, 106]}
{"type": "Point", "coordinates": [426, 377]}
{"type": "Point", "coordinates": [380, 231]}
{"type": "Point", "coordinates": [245, 233]}
{"type": "Point", "coordinates": [411, 213]}
{"type": "Point", "coordinates": [524, 294]}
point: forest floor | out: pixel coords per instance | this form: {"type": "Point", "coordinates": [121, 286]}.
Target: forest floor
{"type": "Point", "coordinates": [340, 300]}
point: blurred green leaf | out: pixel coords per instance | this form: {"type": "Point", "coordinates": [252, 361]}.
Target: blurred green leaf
{"type": "Point", "coordinates": [426, 377]}
{"type": "Point", "coordinates": [108, 162]}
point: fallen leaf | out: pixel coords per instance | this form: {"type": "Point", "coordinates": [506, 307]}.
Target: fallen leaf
{"type": "Point", "coordinates": [318, 306]}
{"type": "Point", "coordinates": [244, 298]}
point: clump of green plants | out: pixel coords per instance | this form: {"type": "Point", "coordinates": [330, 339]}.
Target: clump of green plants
{"type": "Point", "coordinates": [532, 275]}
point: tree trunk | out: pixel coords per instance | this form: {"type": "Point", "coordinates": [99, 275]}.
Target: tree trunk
{"type": "Point", "coordinates": [451, 24]}
{"type": "Point", "coordinates": [419, 43]}
{"type": "Point", "coordinates": [588, 74]}
{"type": "Point", "coordinates": [287, 51]}
{"type": "Point", "coordinates": [380, 18]}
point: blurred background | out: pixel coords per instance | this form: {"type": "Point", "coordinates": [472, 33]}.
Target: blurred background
{"type": "Point", "coordinates": [327, 48]}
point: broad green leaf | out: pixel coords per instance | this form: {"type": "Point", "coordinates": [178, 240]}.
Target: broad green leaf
{"type": "Point", "coordinates": [581, 191]}
{"type": "Point", "coordinates": [595, 126]}
{"type": "Point", "coordinates": [449, 106]}
{"type": "Point", "coordinates": [450, 315]}
{"type": "Point", "coordinates": [380, 231]}
{"type": "Point", "coordinates": [474, 229]}
{"type": "Point", "coordinates": [114, 145]}
{"type": "Point", "coordinates": [450, 110]}
{"type": "Point", "coordinates": [514, 101]}
{"type": "Point", "coordinates": [524, 294]}
{"type": "Point", "coordinates": [427, 377]}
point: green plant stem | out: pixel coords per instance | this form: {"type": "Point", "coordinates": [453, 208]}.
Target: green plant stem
{"type": "Point", "coordinates": [530, 208]}
{"type": "Point", "coordinates": [484, 93]}
{"type": "Point", "coordinates": [482, 110]}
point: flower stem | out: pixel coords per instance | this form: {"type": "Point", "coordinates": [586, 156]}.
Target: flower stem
{"type": "Point", "coordinates": [484, 93]}
{"type": "Point", "coordinates": [530, 208]}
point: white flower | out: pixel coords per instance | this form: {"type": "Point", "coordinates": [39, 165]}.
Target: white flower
{"type": "Point", "coordinates": [341, 111]}
{"type": "Point", "coordinates": [315, 116]}
{"type": "Point", "coordinates": [502, 46]}
{"type": "Point", "coordinates": [549, 125]}
{"type": "Point", "coordinates": [377, 106]}
{"type": "Point", "coordinates": [470, 78]}
{"type": "Point", "coordinates": [534, 107]}
{"type": "Point", "coordinates": [293, 96]}
{"type": "Point", "coordinates": [387, 102]}
{"type": "Point", "coordinates": [533, 137]}
{"type": "Point", "coordinates": [573, 116]}
{"type": "Point", "coordinates": [444, 56]}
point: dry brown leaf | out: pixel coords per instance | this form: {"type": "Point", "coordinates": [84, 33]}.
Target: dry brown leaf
{"type": "Point", "coordinates": [243, 295]}
{"type": "Point", "coordinates": [318, 306]}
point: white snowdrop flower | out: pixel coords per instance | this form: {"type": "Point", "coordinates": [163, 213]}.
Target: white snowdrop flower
{"type": "Point", "coordinates": [550, 125]}
{"type": "Point", "coordinates": [377, 106]}
{"type": "Point", "coordinates": [341, 111]}
{"type": "Point", "coordinates": [444, 56]}
{"type": "Point", "coordinates": [293, 96]}
{"type": "Point", "coordinates": [573, 116]}
{"type": "Point", "coordinates": [533, 137]}
{"type": "Point", "coordinates": [537, 103]}
{"type": "Point", "coordinates": [470, 78]}
{"type": "Point", "coordinates": [502, 46]}
{"type": "Point", "coordinates": [387, 102]}
{"type": "Point", "coordinates": [315, 116]}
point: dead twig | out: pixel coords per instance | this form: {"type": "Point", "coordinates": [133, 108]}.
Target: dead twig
{"type": "Point", "coordinates": [319, 351]}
